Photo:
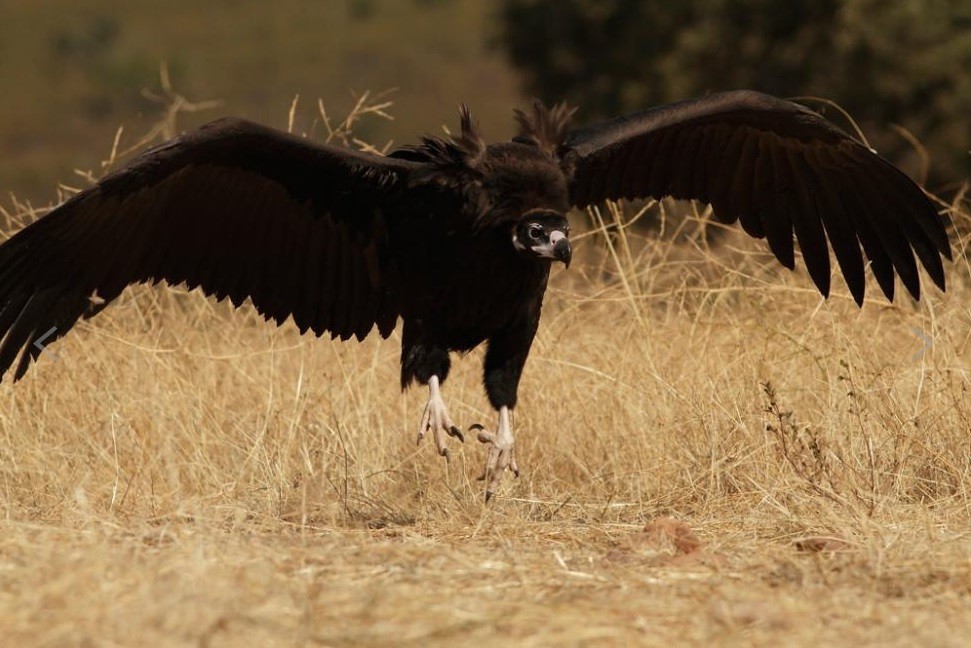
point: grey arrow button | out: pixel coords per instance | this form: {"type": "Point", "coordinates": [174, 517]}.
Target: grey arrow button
{"type": "Point", "coordinates": [926, 339]}
{"type": "Point", "coordinates": [39, 342]}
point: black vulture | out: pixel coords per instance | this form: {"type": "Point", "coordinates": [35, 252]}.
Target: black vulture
{"type": "Point", "coordinates": [454, 236]}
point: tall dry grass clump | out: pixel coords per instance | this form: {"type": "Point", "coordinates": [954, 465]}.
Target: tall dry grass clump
{"type": "Point", "coordinates": [175, 472]}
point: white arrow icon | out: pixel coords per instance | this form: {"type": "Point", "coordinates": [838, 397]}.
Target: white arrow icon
{"type": "Point", "coordinates": [926, 339]}
{"type": "Point", "coordinates": [39, 342]}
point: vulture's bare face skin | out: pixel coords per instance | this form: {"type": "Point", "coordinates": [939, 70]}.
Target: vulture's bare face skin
{"type": "Point", "coordinates": [543, 235]}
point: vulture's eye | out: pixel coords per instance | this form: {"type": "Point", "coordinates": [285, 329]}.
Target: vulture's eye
{"type": "Point", "coordinates": [534, 232]}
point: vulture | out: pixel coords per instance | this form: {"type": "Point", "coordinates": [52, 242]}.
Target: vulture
{"type": "Point", "coordinates": [453, 236]}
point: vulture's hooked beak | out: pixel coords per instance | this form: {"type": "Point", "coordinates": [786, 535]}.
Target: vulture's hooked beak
{"type": "Point", "coordinates": [561, 247]}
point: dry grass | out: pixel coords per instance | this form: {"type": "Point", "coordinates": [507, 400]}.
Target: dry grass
{"type": "Point", "coordinates": [183, 475]}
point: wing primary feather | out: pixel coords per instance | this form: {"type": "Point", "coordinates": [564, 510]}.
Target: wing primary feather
{"type": "Point", "coordinates": [900, 188]}
{"type": "Point", "coordinates": [915, 216]}
{"type": "Point", "coordinates": [298, 275]}
{"type": "Point", "coordinates": [909, 217]}
{"type": "Point", "coordinates": [146, 218]}
{"type": "Point", "coordinates": [372, 285]}
{"type": "Point", "coordinates": [12, 308]}
{"type": "Point", "coordinates": [226, 253]}
{"type": "Point", "coordinates": [23, 328]}
{"type": "Point", "coordinates": [327, 297]}
{"type": "Point", "coordinates": [721, 176]}
{"type": "Point", "coordinates": [880, 263]}
{"type": "Point", "coordinates": [264, 288]}
{"type": "Point", "coordinates": [302, 250]}
{"type": "Point", "coordinates": [195, 195]}
{"type": "Point", "coordinates": [368, 310]}
{"type": "Point", "coordinates": [775, 218]}
{"type": "Point", "coordinates": [213, 251]}
{"type": "Point", "coordinates": [356, 292]}
{"type": "Point", "coordinates": [387, 313]}
{"type": "Point", "coordinates": [54, 264]}
{"type": "Point", "coordinates": [805, 217]}
{"type": "Point", "coordinates": [339, 314]}
{"type": "Point", "coordinates": [875, 211]}
{"type": "Point", "coordinates": [67, 309]}
{"type": "Point", "coordinates": [178, 229]}
{"type": "Point", "coordinates": [708, 151]}
{"type": "Point", "coordinates": [243, 248]}
{"type": "Point", "coordinates": [116, 264]}
{"type": "Point", "coordinates": [842, 237]}
{"type": "Point", "coordinates": [31, 351]}
{"type": "Point", "coordinates": [156, 209]}
{"type": "Point", "coordinates": [277, 257]}
{"type": "Point", "coordinates": [310, 281]}
{"type": "Point", "coordinates": [12, 273]}
{"type": "Point", "coordinates": [745, 188]}
{"type": "Point", "coordinates": [258, 233]}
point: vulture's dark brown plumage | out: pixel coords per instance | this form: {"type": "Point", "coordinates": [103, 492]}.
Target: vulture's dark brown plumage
{"type": "Point", "coordinates": [455, 237]}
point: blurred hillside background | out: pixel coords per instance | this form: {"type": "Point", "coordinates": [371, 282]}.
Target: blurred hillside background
{"type": "Point", "coordinates": [73, 71]}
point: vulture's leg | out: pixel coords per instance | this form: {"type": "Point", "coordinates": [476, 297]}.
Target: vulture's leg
{"type": "Point", "coordinates": [428, 364]}
{"type": "Point", "coordinates": [504, 361]}
{"type": "Point", "coordinates": [437, 420]}
{"type": "Point", "coordinates": [502, 451]}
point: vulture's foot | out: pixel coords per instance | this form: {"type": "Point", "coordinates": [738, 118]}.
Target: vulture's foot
{"type": "Point", "coordinates": [502, 453]}
{"type": "Point", "coordinates": [436, 420]}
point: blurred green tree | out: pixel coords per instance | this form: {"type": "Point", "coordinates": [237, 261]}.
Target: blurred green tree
{"type": "Point", "coordinates": [903, 62]}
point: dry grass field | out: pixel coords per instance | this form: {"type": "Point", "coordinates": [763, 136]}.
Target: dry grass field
{"type": "Point", "coordinates": [176, 474]}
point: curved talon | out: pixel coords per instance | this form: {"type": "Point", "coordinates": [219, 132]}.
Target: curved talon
{"type": "Point", "coordinates": [454, 431]}
{"type": "Point", "coordinates": [425, 422]}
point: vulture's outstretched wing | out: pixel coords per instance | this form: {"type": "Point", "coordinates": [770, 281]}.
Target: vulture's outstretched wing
{"type": "Point", "coordinates": [779, 168]}
{"type": "Point", "coordinates": [235, 208]}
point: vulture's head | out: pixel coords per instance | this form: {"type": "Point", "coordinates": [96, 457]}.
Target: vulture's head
{"type": "Point", "coordinates": [543, 234]}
